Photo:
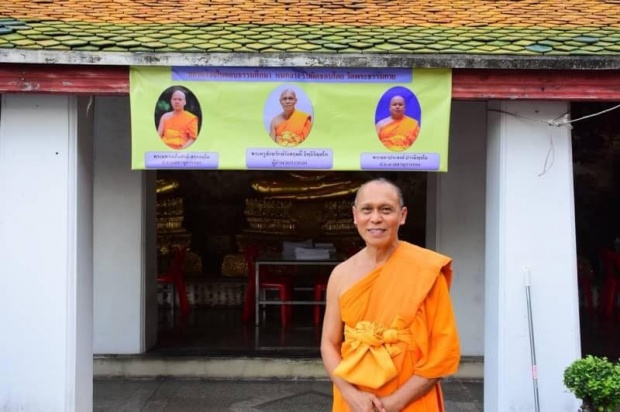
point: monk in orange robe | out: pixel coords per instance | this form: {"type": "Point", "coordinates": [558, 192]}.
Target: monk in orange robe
{"type": "Point", "coordinates": [291, 127]}
{"type": "Point", "coordinates": [392, 298]}
{"type": "Point", "coordinates": [178, 129]}
{"type": "Point", "coordinates": [398, 131]}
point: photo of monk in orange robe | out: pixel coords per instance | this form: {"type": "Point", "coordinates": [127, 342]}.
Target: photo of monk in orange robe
{"type": "Point", "coordinates": [178, 128]}
{"type": "Point", "coordinates": [291, 126]}
{"type": "Point", "coordinates": [392, 302]}
{"type": "Point", "coordinates": [398, 131]}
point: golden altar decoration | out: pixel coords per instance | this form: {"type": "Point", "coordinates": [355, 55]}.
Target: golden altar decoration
{"type": "Point", "coordinates": [170, 231]}
{"type": "Point", "coordinates": [234, 265]}
{"type": "Point", "coordinates": [301, 205]}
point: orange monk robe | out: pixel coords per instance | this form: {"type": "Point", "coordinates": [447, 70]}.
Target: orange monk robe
{"type": "Point", "coordinates": [399, 134]}
{"type": "Point", "coordinates": [294, 130]}
{"type": "Point", "coordinates": [179, 129]}
{"type": "Point", "coordinates": [399, 322]}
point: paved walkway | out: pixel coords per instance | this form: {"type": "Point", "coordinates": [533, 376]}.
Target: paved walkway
{"type": "Point", "coordinates": [178, 395]}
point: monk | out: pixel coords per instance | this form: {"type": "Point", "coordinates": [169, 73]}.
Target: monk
{"type": "Point", "coordinates": [291, 126]}
{"type": "Point", "coordinates": [398, 131]}
{"type": "Point", "coordinates": [392, 298]}
{"type": "Point", "coordinates": [178, 128]}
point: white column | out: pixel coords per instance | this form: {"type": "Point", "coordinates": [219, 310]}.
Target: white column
{"type": "Point", "coordinates": [456, 219]}
{"type": "Point", "coordinates": [530, 223]}
{"type": "Point", "coordinates": [46, 254]}
{"type": "Point", "coordinates": [125, 311]}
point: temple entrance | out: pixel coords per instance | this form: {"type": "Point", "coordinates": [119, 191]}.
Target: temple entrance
{"type": "Point", "coordinates": [217, 217]}
{"type": "Point", "coordinates": [596, 159]}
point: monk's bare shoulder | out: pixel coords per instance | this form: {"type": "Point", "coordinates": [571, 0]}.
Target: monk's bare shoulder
{"type": "Point", "coordinates": [339, 277]}
{"type": "Point", "coordinates": [346, 274]}
{"type": "Point", "coordinates": [384, 122]}
{"type": "Point", "coordinates": [277, 120]}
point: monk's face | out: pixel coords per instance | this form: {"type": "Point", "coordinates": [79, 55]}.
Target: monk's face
{"type": "Point", "coordinates": [378, 215]}
{"type": "Point", "coordinates": [288, 100]}
{"type": "Point", "coordinates": [397, 107]}
{"type": "Point", "coordinates": [177, 101]}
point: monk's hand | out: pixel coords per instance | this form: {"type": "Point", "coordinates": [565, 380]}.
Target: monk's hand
{"type": "Point", "coordinates": [360, 401]}
{"type": "Point", "coordinates": [390, 404]}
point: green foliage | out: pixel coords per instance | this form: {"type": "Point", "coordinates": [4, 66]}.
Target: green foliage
{"type": "Point", "coordinates": [596, 381]}
{"type": "Point", "coordinates": [163, 106]}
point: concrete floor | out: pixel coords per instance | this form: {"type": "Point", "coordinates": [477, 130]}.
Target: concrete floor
{"type": "Point", "coordinates": [179, 395]}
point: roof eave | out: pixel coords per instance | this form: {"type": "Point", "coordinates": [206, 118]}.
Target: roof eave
{"type": "Point", "coordinates": [456, 61]}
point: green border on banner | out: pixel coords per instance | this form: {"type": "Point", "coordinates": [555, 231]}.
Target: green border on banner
{"type": "Point", "coordinates": [235, 109]}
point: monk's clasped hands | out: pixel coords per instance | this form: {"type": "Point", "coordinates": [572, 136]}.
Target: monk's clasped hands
{"type": "Point", "coordinates": [365, 402]}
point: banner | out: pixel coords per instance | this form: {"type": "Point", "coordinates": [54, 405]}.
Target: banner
{"type": "Point", "coordinates": [290, 118]}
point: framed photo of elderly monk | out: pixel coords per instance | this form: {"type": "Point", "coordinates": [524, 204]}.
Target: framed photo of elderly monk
{"type": "Point", "coordinates": [288, 115]}
{"type": "Point", "coordinates": [398, 119]}
{"type": "Point", "coordinates": [178, 117]}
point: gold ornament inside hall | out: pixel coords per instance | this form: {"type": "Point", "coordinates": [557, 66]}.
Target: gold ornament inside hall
{"type": "Point", "coordinates": [282, 206]}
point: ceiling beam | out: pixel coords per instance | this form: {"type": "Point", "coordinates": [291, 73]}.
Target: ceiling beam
{"type": "Point", "coordinates": [467, 84]}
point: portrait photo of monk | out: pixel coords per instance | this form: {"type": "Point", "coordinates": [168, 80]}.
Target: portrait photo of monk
{"type": "Point", "coordinates": [397, 119]}
{"type": "Point", "coordinates": [290, 115]}
{"type": "Point", "coordinates": [178, 117]}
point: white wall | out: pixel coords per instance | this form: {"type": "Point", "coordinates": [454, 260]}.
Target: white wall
{"type": "Point", "coordinates": [45, 250]}
{"type": "Point", "coordinates": [83, 295]}
{"type": "Point", "coordinates": [456, 219]}
{"type": "Point", "coordinates": [530, 223]}
{"type": "Point", "coordinates": [124, 257]}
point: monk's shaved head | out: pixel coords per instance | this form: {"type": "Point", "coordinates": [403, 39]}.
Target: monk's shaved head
{"type": "Point", "coordinates": [288, 100]}
{"type": "Point", "coordinates": [178, 92]}
{"type": "Point", "coordinates": [397, 107]}
{"type": "Point", "coordinates": [289, 92]}
{"type": "Point", "coordinates": [177, 100]}
{"type": "Point", "coordinates": [397, 98]}
{"type": "Point", "coordinates": [385, 181]}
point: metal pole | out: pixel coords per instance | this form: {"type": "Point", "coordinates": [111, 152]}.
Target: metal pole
{"type": "Point", "coordinates": [532, 343]}
{"type": "Point", "coordinates": [256, 292]}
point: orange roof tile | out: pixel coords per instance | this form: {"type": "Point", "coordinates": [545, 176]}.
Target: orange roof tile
{"type": "Point", "coordinates": [510, 27]}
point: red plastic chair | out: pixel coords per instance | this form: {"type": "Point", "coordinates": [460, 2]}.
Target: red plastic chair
{"type": "Point", "coordinates": [585, 275]}
{"type": "Point", "coordinates": [174, 277]}
{"type": "Point", "coordinates": [281, 283]}
{"type": "Point", "coordinates": [320, 286]}
{"type": "Point", "coordinates": [611, 283]}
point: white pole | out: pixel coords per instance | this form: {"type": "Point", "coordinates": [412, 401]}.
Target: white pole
{"type": "Point", "coordinates": [528, 296]}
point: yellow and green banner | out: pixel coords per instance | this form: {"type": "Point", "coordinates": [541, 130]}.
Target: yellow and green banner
{"type": "Point", "coordinates": [284, 118]}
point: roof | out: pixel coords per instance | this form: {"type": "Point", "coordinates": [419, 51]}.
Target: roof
{"type": "Point", "coordinates": [453, 33]}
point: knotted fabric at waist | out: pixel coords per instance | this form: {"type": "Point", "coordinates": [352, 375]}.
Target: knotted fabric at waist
{"type": "Point", "coordinates": [368, 352]}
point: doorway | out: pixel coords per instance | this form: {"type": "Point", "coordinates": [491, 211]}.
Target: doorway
{"type": "Point", "coordinates": [216, 215]}
{"type": "Point", "coordinates": [596, 161]}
